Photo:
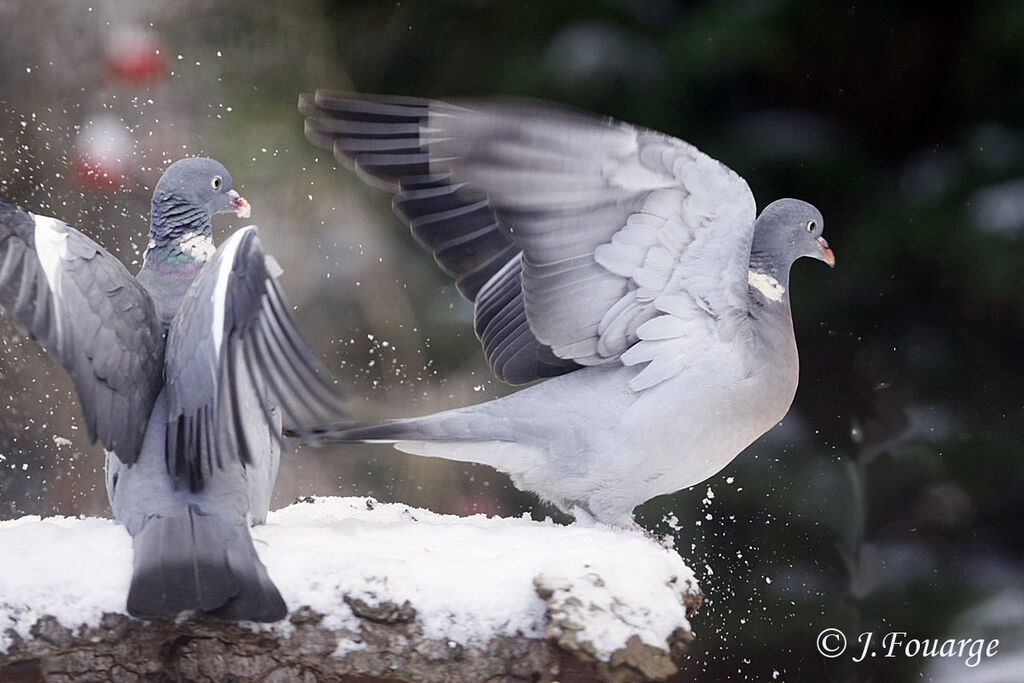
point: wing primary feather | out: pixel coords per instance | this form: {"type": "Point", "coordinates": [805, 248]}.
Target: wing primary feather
{"type": "Point", "coordinates": [270, 376]}
{"type": "Point", "coordinates": [43, 320]}
{"type": "Point", "coordinates": [238, 423]}
{"type": "Point", "coordinates": [183, 467]}
{"type": "Point", "coordinates": [13, 251]}
{"type": "Point", "coordinates": [246, 358]}
{"type": "Point", "coordinates": [209, 435]}
{"type": "Point", "coordinates": [26, 292]}
{"type": "Point", "coordinates": [277, 356]}
{"type": "Point", "coordinates": [172, 445]}
{"type": "Point", "coordinates": [207, 423]}
{"type": "Point", "coordinates": [510, 345]}
{"type": "Point", "coordinates": [325, 391]}
{"type": "Point", "coordinates": [293, 351]}
{"type": "Point", "coordinates": [493, 334]}
{"type": "Point", "coordinates": [472, 281]}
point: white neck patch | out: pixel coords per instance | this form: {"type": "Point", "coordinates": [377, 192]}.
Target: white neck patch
{"type": "Point", "coordinates": [197, 245]}
{"type": "Point", "coordinates": [766, 284]}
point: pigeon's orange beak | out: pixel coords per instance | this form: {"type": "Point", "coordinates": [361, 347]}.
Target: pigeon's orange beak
{"type": "Point", "coordinates": [826, 254]}
{"type": "Point", "coordinates": [242, 208]}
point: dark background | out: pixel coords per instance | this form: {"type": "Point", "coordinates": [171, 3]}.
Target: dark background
{"type": "Point", "coordinates": [891, 497]}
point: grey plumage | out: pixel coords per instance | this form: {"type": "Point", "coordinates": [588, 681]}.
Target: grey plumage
{"type": "Point", "coordinates": [214, 545]}
{"type": "Point", "coordinates": [98, 322]}
{"type": "Point", "coordinates": [624, 264]}
{"type": "Point", "coordinates": [257, 351]}
{"type": "Point", "coordinates": [192, 549]}
{"type": "Point", "coordinates": [192, 426]}
{"type": "Point", "coordinates": [455, 221]}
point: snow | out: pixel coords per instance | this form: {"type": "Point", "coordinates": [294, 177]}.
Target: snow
{"type": "Point", "coordinates": [73, 569]}
{"type": "Point", "coordinates": [468, 578]}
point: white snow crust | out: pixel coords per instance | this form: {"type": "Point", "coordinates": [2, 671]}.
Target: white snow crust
{"type": "Point", "coordinates": [468, 578]}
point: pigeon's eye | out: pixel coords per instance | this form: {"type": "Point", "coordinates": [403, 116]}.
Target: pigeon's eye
{"type": "Point", "coordinates": [216, 182]}
{"type": "Point", "coordinates": [811, 225]}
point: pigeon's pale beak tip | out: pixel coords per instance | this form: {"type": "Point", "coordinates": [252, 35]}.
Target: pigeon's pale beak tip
{"type": "Point", "coordinates": [826, 254]}
{"type": "Point", "coordinates": [242, 208]}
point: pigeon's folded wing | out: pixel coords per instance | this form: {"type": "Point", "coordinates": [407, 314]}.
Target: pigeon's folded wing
{"type": "Point", "coordinates": [91, 315]}
{"type": "Point", "coordinates": [569, 232]}
{"type": "Point", "coordinates": [233, 337]}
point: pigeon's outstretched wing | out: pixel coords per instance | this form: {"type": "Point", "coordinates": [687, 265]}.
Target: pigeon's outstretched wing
{"type": "Point", "coordinates": [91, 315]}
{"type": "Point", "coordinates": [580, 240]}
{"type": "Point", "coordinates": [231, 338]}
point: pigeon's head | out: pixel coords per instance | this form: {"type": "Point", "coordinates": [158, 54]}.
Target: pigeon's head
{"type": "Point", "coordinates": [202, 183]}
{"type": "Point", "coordinates": [789, 229]}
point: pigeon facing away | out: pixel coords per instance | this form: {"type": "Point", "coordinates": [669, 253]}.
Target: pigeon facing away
{"type": "Point", "coordinates": [623, 264]}
{"type": "Point", "coordinates": [192, 425]}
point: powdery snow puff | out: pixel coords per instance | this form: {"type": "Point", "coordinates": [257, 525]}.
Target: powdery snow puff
{"type": "Point", "coordinates": [468, 578]}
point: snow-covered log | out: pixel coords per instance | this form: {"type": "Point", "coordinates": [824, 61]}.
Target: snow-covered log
{"type": "Point", "coordinates": [376, 591]}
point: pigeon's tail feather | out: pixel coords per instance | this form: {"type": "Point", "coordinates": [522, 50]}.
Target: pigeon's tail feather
{"type": "Point", "coordinates": [195, 561]}
{"type": "Point", "coordinates": [454, 435]}
{"type": "Point", "coordinates": [392, 431]}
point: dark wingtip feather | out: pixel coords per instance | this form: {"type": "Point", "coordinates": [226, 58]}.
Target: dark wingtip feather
{"type": "Point", "coordinates": [380, 137]}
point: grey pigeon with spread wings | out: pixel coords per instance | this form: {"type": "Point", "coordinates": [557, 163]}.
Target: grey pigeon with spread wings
{"type": "Point", "coordinates": [624, 265]}
{"type": "Point", "coordinates": [184, 373]}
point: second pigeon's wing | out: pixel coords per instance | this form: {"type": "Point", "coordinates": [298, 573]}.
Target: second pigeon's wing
{"type": "Point", "coordinates": [93, 317]}
{"type": "Point", "coordinates": [233, 337]}
{"type": "Point", "coordinates": [581, 240]}
{"type": "Point", "coordinates": [452, 220]}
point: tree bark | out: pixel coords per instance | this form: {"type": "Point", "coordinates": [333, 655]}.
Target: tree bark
{"type": "Point", "coordinates": [389, 646]}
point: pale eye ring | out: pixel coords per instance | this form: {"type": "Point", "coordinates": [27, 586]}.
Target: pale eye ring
{"type": "Point", "coordinates": [216, 182]}
{"type": "Point", "coordinates": [812, 225]}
